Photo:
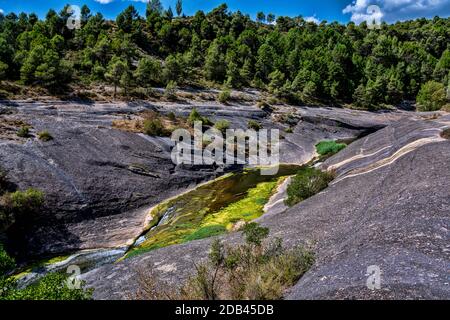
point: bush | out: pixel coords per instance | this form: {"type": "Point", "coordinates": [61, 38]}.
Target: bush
{"type": "Point", "coordinates": [24, 132]}
{"type": "Point", "coordinates": [252, 271]}
{"type": "Point", "coordinates": [222, 125]}
{"type": "Point", "coordinates": [154, 127]}
{"type": "Point", "coordinates": [170, 92]}
{"type": "Point", "coordinates": [171, 116]}
{"type": "Point", "coordinates": [224, 96]}
{"type": "Point", "coordinates": [431, 97]}
{"type": "Point", "coordinates": [306, 183]}
{"type": "Point", "coordinates": [195, 116]}
{"type": "Point", "coordinates": [7, 263]}
{"type": "Point", "coordinates": [18, 204]}
{"type": "Point", "coordinates": [328, 148]}
{"type": "Point", "coordinates": [254, 125]}
{"type": "Point", "coordinates": [53, 286]}
{"type": "Point", "coordinates": [3, 182]}
{"type": "Point", "coordinates": [22, 202]}
{"type": "Point", "coordinates": [446, 134]}
{"type": "Point", "coordinates": [45, 136]}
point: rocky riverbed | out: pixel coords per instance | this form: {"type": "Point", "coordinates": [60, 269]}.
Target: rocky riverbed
{"type": "Point", "coordinates": [387, 206]}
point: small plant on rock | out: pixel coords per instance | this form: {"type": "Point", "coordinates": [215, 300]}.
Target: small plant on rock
{"type": "Point", "coordinates": [45, 136]}
{"type": "Point", "coordinates": [254, 125]}
{"type": "Point", "coordinates": [224, 96]}
{"type": "Point", "coordinates": [154, 127]}
{"type": "Point", "coordinates": [24, 132]}
{"type": "Point", "coordinates": [255, 270]}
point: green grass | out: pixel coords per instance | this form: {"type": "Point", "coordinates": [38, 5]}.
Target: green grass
{"type": "Point", "coordinates": [205, 232]}
{"type": "Point", "coordinates": [327, 148]}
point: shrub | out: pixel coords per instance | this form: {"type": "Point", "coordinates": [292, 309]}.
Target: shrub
{"type": "Point", "coordinates": [23, 132]}
{"type": "Point", "coordinates": [170, 92]}
{"type": "Point", "coordinates": [7, 263]}
{"type": "Point", "coordinates": [53, 286]}
{"type": "Point", "coordinates": [254, 233]}
{"type": "Point", "coordinates": [224, 96]}
{"type": "Point", "coordinates": [431, 97]}
{"type": "Point", "coordinates": [18, 204]}
{"type": "Point", "coordinates": [327, 148]}
{"type": "Point", "coordinates": [306, 183]}
{"type": "Point", "coordinates": [289, 130]}
{"type": "Point", "coordinates": [3, 181]}
{"type": "Point", "coordinates": [22, 202]}
{"type": "Point", "coordinates": [45, 136]}
{"type": "Point", "coordinates": [252, 124]}
{"type": "Point", "coordinates": [253, 270]}
{"type": "Point", "coordinates": [446, 107]}
{"type": "Point", "coordinates": [171, 116]}
{"type": "Point", "coordinates": [154, 127]}
{"type": "Point", "coordinates": [222, 125]}
{"type": "Point", "coordinates": [195, 116]}
{"type": "Point", "coordinates": [446, 134]}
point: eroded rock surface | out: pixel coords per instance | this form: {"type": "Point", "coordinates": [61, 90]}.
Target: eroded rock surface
{"type": "Point", "coordinates": [100, 182]}
{"type": "Point", "coordinates": [388, 207]}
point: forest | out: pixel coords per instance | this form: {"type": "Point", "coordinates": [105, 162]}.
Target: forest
{"type": "Point", "coordinates": [292, 59]}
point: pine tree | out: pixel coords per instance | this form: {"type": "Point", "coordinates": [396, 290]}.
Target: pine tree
{"type": "Point", "coordinates": [116, 69]}
{"type": "Point", "coordinates": [179, 7]}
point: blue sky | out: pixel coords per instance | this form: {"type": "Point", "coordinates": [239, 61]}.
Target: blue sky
{"type": "Point", "coordinates": [339, 10]}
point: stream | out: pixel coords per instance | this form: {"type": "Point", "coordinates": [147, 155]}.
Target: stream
{"type": "Point", "coordinates": [215, 207]}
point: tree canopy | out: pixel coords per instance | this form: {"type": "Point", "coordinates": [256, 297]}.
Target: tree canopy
{"type": "Point", "coordinates": [290, 57]}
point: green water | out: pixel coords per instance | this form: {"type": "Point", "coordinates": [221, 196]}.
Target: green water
{"type": "Point", "coordinates": [211, 209]}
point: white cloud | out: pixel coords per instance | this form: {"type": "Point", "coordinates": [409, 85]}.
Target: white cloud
{"type": "Point", "coordinates": [312, 19]}
{"type": "Point", "coordinates": [397, 10]}
{"type": "Point", "coordinates": [104, 1]}
{"type": "Point", "coordinates": [1, 11]}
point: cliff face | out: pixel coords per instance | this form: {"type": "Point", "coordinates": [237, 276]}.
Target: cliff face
{"type": "Point", "coordinates": [388, 207]}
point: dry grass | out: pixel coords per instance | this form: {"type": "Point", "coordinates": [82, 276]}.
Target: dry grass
{"type": "Point", "coordinates": [137, 124]}
{"type": "Point", "coordinates": [10, 126]}
{"type": "Point", "coordinates": [431, 117]}
{"type": "Point", "coordinates": [252, 271]}
{"type": "Point", "coordinates": [446, 134]}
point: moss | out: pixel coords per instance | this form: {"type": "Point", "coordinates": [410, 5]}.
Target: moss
{"type": "Point", "coordinates": [211, 209]}
{"type": "Point", "coordinates": [205, 232]}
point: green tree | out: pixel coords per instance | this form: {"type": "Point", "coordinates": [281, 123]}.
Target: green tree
{"type": "Point", "coordinates": [260, 17]}
{"type": "Point", "coordinates": [179, 7]}
{"type": "Point", "coordinates": [3, 70]}
{"type": "Point", "coordinates": [432, 96]}
{"type": "Point", "coordinates": [148, 71]}
{"type": "Point", "coordinates": [173, 68]}
{"type": "Point", "coordinates": [125, 20]}
{"type": "Point", "coordinates": [215, 63]}
{"type": "Point", "coordinates": [116, 69]}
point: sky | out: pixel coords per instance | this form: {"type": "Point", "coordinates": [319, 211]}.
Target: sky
{"type": "Point", "coordinates": [313, 10]}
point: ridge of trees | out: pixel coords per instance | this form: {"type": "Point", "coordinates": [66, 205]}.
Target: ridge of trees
{"type": "Point", "coordinates": [289, 57]}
